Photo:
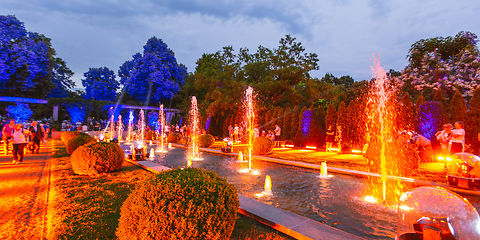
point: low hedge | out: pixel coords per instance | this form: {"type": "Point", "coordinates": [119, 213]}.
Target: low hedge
{"type": "Point", "coordinates": [188, 203]}
{"type": "Point", "coordinates": [262, 146]}
{"type": "Point", "coordinates": [73, 143]}
{"type": "Point", "coordinates": [206, 140]}
{"type": "Point", "coordinates": [65, 136]}
{"type": "Point", "coordinates": [96, 158]}
{"type": "Point", "coordinates": [174, 137]}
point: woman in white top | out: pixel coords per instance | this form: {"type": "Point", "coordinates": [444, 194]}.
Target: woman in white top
{"type": "Point", "coordinates": [19, 141]}
{"type": "Point", "coordinates": [458, 138]}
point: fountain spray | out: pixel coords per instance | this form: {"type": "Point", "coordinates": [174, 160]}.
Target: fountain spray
{"type": "Point", "coordinates": [119, 127]}
{"type": "Point", "coordinates": [250, 114]}
{"type": "Point", "coordinates": [142, 124]}
{"type": "Point", "coordinates": [162, 124]}
{"type": "Point", "coordinates": [130, 123]}
{"type": "Point", "coordinates": [112, 125]}
{"type": "Point", "coordinates": [194, 126]}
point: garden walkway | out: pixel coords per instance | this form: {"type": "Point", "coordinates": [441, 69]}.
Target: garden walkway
{"type": "Point", "coordinates": [24, 191]}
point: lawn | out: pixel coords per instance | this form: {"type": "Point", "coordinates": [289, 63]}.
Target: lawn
{"type": "Point", "coordinates": [89, 207]}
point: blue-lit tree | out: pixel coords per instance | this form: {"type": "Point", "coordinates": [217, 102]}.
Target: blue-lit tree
{"type": "Point", "coordinates": [27, 62]}
{"type": "Point", "coordinates": [154, 75]}
{"type": "Point", "coordinates": [20, 112]}
{"type": "Point", "coordinates": [100, 84]}
{"type": "Point", "coordinates": [430, 119]}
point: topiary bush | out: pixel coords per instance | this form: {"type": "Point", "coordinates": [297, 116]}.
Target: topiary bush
{"type": "Point", "coordinates": [188, 203]}
{"type": "Point", "coordinates": [262, 146]}
{"type": "Point", "coordinates": [65, 136]}
{"type": "Point", "coordinates": [73, 143]}
{"type": "Point", "coordinates": [96, 158]}
{"type": "Point", "coordinates": [206, 140]}
{"type": "Point", "coordinates": [150, 135]}
{"type": "Point", "coordinates": [174, 137]}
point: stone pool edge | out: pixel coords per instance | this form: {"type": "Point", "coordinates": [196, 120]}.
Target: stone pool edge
{"type": "Point", "coordinates": [289, 223]}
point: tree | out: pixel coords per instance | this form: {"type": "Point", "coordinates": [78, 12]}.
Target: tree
{"type": "Point", "coordinates": [406, 114]}
{"type": "Point", "coordinates": [439, 96]}
{"type": "Point", "coordinates": [458, 107]}
{"type": "Point", "coordinates": [341, 115]}
{"type": "Point", "coordinates": [286, 123]}
{"type": "Point", "coordinates": [419, 102]}
{"type": "Point", "coordinates": [430, 119]}
{"type": "Point", "coordinates": [303, 126]}
{"type": "Point", "coordinates": [472, 124]}
{"type": "Point", "coordinates": [315, 130]}
{"type": "Point", "coordinates": [28, 66]}
{"type": "Point", "coordinates": [294, 122]}
{"type": "Point", "coordinates": [100, 84]}
{"type": "Point", "coordinates": [331, 119]}
{"type": "Point", "coordinates": [154, 75]}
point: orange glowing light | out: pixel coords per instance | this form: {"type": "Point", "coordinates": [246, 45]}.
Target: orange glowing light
{"type": "Point", "coordinates": [448, 159]}
{"type": "Point", "coordinates": [441, 158]}
{"type": "Point", "coordinates": [333, 149]}
{"type": "Point", "coordinates": [311, 147]}
{"type": "Point", "coordinates": [370, 199]}
{"type": "Point", "coordinates": [289, 145]}
{"type": "Point", "coordinates": [405, 207]}
{"type": "Point", "coordinates": [356, 151]}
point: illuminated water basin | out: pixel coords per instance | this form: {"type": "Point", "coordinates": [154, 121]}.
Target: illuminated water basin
{"type": "Point", "coordinates": [336, 201]}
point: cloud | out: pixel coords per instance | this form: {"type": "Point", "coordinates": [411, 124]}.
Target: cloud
{"type": "Point", "coordinates": [344, 33]}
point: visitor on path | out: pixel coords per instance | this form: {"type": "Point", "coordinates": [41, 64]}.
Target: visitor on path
{"type": "Point", "coordinates": [338, 138]}
{"type": "Point", "coordinates": [458, 138]}
{"type": "Point", "coordinates": [278, 132]}
{"type": "Point", "coordinates": [445, 137]}
{"type": "Point", "coordinates": [18, 141]}
{"type": "Point", "coordinates": [330, 138]}
{"type": "Point", "coordinates": [36, 135]}
{"type": "Point", "coordinates": [7, 133]}
{"type": "Point", "coordinates": [236, 132]}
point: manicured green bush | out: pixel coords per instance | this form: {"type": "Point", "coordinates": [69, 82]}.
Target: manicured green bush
{"type": "Point", "coordinates": [188, 203]}
{"type": "Point", "coordinates": [262, 146]}
{"type": "Point", "coordinates": [75, 142]}
{"type": "Point", "coordinates": [206, 140]}
{"type": "Point", "coordinates": [174, 138]}
{"type": "Point", "coordinates": [96, 158]}
{"type": "Point", "coordinates": [65, 136]}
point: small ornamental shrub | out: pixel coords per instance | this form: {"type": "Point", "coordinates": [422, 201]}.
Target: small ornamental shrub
{"type": "Point", "coordinates": [262, 146]}
{"type": "Point", "coordinates": [150, 135]}
{"type": "Point", "coordinates": [188, 203]}
{"type": "Point", "coordinates": [96, 158]}
{"type": "Point", "coordinates": [65, 136]}
{"type": "Point", "coordinates": [75, 142]}
{"type": "Point", "coordinates": [174, 138]}
{"type": "Point", "coordinates": [206, 140]}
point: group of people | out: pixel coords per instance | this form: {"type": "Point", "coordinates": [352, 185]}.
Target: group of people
{"type": "Point", "coordinates": [452, 139]}
{"type": "Point", "coordinates": [91, 124]}
{"type": "Point", "coordinates": [333, 137]}
{"type": "Point", "coordinates": [238, 132]}
{"type": "Point", "coordinates": [19, 136]}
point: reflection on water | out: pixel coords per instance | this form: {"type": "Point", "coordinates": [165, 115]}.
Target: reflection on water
{"type": "Point", "coordinates": [336, 201]}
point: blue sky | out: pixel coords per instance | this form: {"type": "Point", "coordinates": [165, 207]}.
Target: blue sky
{"type": "Point", "coordinates": [344, 33]}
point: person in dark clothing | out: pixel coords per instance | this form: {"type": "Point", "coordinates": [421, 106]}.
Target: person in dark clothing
{"type": "Point", "coordinates": [36, 135]}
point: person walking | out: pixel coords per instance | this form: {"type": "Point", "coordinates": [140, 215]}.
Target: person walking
{"type": "Point", "coordinates": [330, 138]}
{"type": "Point", "coordinates": [36, 134]}
{"type": "Point", "coordinates": [444, 137]}
{"type": "Point", "coordinates": [458, 138]}
{"type": "Point", "coordinates": [338, 138]}
{"type": "Point", "coordinates": [7, 132]}
{"type": "Point", "coordinates": [18, 141]}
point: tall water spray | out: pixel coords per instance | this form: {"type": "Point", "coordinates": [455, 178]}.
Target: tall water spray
{"type": "Point", "coordinates": [193, 114]}
{"type": "Point", "coordinates": [130, 125]}
{"type": "Point", "coordinates": [381, 120]}
{"type": "Point", "coordinates": [250, 119]}
{"type": "Point", "coordinates": [141, 124]}
{"type": "Point", "coordinates": [112, 125]}
{"type": "Point", "coordinates": [161, 123]}
{"type": "Point", "coordinates": [119, 128]}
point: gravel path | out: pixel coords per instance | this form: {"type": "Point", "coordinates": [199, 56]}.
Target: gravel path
{"type": "Point", "coordinates": [24, 191]}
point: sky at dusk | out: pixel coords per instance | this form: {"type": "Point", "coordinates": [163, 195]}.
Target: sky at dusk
{"type": "Point", "coordinates": [344, 33]}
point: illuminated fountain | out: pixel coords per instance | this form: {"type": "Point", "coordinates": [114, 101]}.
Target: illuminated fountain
{"type": "Point", "coordinates": [112, 125]}
{"type": "Point", "coordinates": [381, 127]}
{"type": "Point", "coordinates": [267, 188]}
{"type": "Point", "coordinates": [240, 156]}
{"type": "Point", "coordinates": [250, 120]}
{"type": "Point", "coordinates": [141, 125]}
{"type": "Point", "coordinates": [130, 126]}
{"type": "Point", "coordinates": [161, 124]}
{"type": "Point", "coordinates": [324, 171]}
{"type": "Point", "coordinates": [194, 128]}
{"type": "Point", "coordinates": [119, 128]}
{"type": "Point", "coordinates": [152, 154]}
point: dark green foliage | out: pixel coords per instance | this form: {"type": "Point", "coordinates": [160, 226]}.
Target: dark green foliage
{"type": "Point", "coordinates": [458, 107]}
{"type": "Point", "coordinates": [96, 158]}
{"type": "Point", "coordinates": [286, 123]}
{"type": "Point", "coordinates": [299, 139]}
{"type": "Point", "coordinates": [331, 119]}
{"type": "Point", "coordinates": [472, 124]}
{"type": "Point", "coordinates": [341, 115]}
{"type": "Point", "coordinates": [174, 137]}
{"type": "Point", "coordinates": [188, 203]}
{"type": "Point", "coordinates": [316, 130]}
{"type": "Point", "coordinates": [419, 102]}
{"type": "Point", "coordinates": [262, 146]}
{"type": "Point", "coordinates": [206, 140]}
{"type": "Point", "coordinates": [73, 143]}
{"type": "Point", "coordinates": [406, 114]}
{"type": "Point", "coordinates": [65, 136]}
{"type": "Point", "coordinates": [439, 96]}
{"type": "Point", "coordinates": [293, 123]}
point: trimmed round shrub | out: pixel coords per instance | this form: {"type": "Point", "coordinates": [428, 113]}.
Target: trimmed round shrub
{"type": "Point", "coordinates": [150, 135]}
{"type": "Point", "coordinates": [262, 146]}
{"type": "Point", "coordinates": [96, 158]}
{"type": "Point", "coordinates": [73, 143]}
{"type": "Point", "coordinates": [65, 136]}
{"type": "Point", "coordinates": [174, 137]}
{"type": "Point", "coordinates": [206, 140]}
{"type": "Point", "coordinates": [188, 203]}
